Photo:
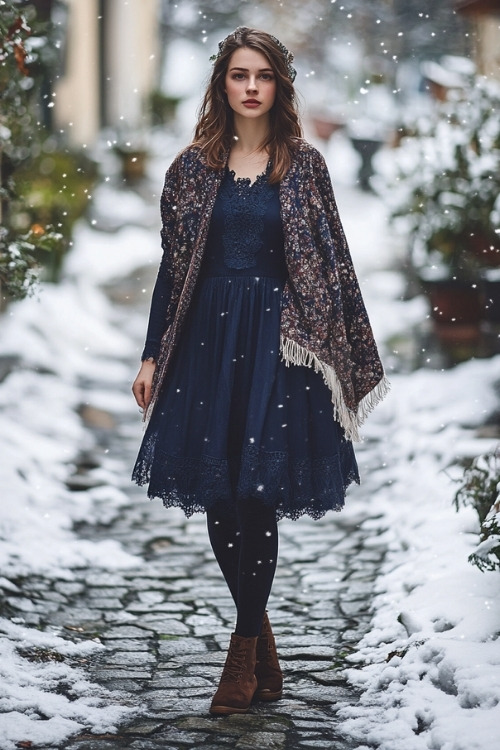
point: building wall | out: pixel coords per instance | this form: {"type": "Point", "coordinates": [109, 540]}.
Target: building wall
{"type": "Point", "coordinates": [77, 92]}
{"type": "Point", "coordinates": [107, 81]}
{"type": "Point", "coordinates": [131, 61]}
{"type": "Point", "coordinates": [488, 52]}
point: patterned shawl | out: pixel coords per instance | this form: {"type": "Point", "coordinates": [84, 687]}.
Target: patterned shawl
{"type": "Point", "coordinates": [324, 323]}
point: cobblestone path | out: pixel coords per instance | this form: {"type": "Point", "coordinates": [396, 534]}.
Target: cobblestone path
{"type": "Point", "coordinates": [166, 624]}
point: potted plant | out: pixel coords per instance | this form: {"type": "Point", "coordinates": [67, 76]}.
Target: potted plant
{"type": "Point", "coordinates": [162, 107]}
{"type": "Point", "coordinates": [448, 183]}
{"type": "Point", "coordinates": [490, 281]}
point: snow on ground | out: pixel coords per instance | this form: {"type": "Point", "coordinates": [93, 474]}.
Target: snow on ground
{"type": "Point", "coordinates": [65, 340]}
{"type": "Point", "coordinates": [28, 689]}
{"type": "Point", "coordinates": [61, 339]}
{"type": "Point", "coordinates": [429, 669]}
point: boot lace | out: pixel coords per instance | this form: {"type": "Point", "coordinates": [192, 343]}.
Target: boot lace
{"type": "Point", "coordinates": [264, 648]}
{"type": "Point", "coordinates": [235, 663]}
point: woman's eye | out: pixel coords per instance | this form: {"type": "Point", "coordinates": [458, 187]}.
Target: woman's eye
{"type": "Point", "coordinates": [263, 76]}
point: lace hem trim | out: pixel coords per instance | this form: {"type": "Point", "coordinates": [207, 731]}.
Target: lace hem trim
{"type": "Point", "coordinates": [294, 488]}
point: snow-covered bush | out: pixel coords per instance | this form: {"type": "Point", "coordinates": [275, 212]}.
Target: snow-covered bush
{"type": "Point", "coordinates": [18, 134]}
{"type": "Point", "coordinates": [480, 489]}
{"type": "Point", "coordinates": [448, 182]}
{"type": "Point", "coordinates": [487, 554]}
{"type": "Point", "coordinates": [43, 187]}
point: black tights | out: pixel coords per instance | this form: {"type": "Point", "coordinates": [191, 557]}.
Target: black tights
{"type": "Point", "coordinates": [246, 547]}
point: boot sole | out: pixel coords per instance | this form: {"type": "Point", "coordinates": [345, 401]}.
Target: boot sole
{"type": "Point", "coordinates": [225, 710]}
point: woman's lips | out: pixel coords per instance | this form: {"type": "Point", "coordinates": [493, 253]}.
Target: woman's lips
{"type": "Point", "coordinates": [252, 103]}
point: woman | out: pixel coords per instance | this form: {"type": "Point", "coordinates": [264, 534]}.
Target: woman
{"type": "Point", "coordinates": [257, 327]}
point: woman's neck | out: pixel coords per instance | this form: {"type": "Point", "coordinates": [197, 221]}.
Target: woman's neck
{"type": "Point", "coordinates": [249, 135]}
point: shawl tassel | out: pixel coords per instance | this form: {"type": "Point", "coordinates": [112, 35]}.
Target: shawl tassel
{"type": "Point", "coordinates": [295, 354]}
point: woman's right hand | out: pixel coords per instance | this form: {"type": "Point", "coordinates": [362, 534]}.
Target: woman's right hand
{"type": "Point", "coordinates": [142, 384]}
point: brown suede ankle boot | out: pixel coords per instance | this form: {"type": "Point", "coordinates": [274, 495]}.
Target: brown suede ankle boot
{"type": "Point", "coordinates": [238, 682]}
{"type": "Point", "coordinates": [267, 669]}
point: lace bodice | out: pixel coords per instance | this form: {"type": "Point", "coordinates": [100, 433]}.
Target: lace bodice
{"type": "Point", "coordinates": [245, 234]}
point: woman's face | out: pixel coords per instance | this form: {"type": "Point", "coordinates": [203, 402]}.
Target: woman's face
{"type": "Point", "coordinates": [250, 83]}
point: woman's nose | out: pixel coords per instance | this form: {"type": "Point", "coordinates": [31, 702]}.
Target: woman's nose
{"type": "Point", "coordinates": [252, 84]}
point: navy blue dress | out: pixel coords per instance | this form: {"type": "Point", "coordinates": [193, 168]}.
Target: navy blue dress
{"type": "Point", "coordinates": [233, 421]}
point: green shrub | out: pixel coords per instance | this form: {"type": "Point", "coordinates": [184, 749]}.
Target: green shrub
{"type": "Point", "coordinates": [54, 190]}
{"type": "Point", "coordinates": [480, 488]}
{"type": "Point", "coordinates": [43, 187]}
{"type": "Point", "coordinates": [163, 107]}
{"type": "Point", "coordinates": [448, 183]}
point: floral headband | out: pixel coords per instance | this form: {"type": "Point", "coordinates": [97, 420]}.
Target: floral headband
{"type": "Point", "coordinates": [286, 53]}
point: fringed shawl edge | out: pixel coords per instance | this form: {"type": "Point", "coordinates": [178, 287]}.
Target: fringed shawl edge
{"type": "Point", "coordinates": [295, 354]}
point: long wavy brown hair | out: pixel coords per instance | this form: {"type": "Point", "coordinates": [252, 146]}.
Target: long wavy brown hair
{"type": "Point", "coordinates": [214, 132]}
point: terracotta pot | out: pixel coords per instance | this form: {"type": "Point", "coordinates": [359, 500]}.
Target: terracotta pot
{"type": "Point", "coordinates": [453, 301]}
{"type": "Point", "coordinates": [455, 308]}
{"type": "Point", "coordinates": [485, 249]}
{"type": "Point", "coordinates": [133, 163]}
{"type": "Point", "coordinates": [325, 128]}
{"type": "Point", "coordinates": [490, 296]}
